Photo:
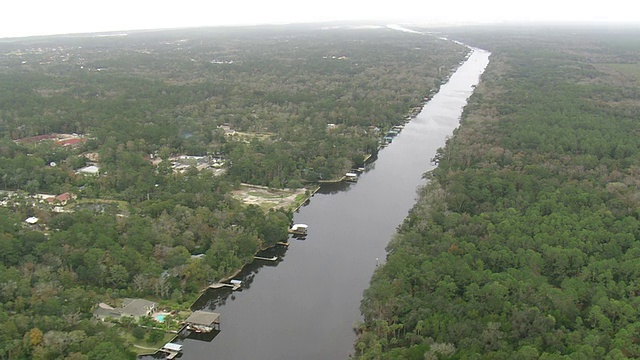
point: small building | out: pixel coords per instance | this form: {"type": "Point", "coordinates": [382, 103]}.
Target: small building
{"type": "Point", "coordinates": [227, 130]}
{"type": "Point", "coordinates": [89, 170]}
{"type": "Point", "coordinates": [203, 321]}
{"type": "Point", "coordinates": [64, 198]}
{"type": "Point", "coordinates": [32, 220]}
{"type": "Point", "coordinates": [45, 198]}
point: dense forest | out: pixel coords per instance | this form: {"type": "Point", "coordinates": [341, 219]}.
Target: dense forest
{"type": "Point", "coordinates": [279, 106]}
{"type": "Point", "coordinates": [172, 91]}
{"type": "Point", "coordinates": [525, 243]}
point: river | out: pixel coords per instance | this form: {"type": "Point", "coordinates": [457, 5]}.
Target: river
{"type": "Point", "coordinates": [304, 306]}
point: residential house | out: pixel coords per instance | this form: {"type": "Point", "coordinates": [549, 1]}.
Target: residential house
{"type": "Point", "coordinates": [135, 308]}
{"type": "Point", "coordinates": [64, 198]}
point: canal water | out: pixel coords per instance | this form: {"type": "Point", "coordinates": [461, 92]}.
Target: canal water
{"type": "Point", "coordinates": [305, 306]}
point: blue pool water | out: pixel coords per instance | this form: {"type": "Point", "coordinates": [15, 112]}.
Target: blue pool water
{"type": "Point", "coordinates": [160, 318]}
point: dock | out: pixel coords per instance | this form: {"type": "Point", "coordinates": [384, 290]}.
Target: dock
{"type": "Point", "coordinates": [334, 181]}
{"type": "Point", "coordinates": [233, 287]}
{"type": "Point", "coordinates": [351, 177]}
{"type": "Point", "coordinates": [273, 258]}
{"type": "Point", "coordinates": [171, 349]}
{"type": "Point", "coordinates": [282, 243]}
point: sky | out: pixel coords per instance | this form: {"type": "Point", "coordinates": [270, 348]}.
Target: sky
{"type": "Point", "coordinates": [45, 17]}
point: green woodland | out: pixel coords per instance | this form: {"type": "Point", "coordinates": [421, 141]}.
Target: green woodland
{"type": "Point", "coordinates": [133, 230]}
{"type": "Point", "coordinates": [525, 243]}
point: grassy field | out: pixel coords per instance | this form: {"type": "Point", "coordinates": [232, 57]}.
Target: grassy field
{"type": "Point", "coordinates": [143, 346]}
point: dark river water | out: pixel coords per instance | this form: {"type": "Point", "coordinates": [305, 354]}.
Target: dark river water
{"type": "Point", "coordinates": [304, 306]}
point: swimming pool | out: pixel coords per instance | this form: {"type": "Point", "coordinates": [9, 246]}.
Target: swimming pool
{"type": "Point", "coordinates": [160, 317]}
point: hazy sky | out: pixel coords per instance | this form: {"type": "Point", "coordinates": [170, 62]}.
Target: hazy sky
{"type": "Point", "coordinates": [39, 17]}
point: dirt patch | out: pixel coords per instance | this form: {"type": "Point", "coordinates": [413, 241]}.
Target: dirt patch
{"type": "Point", "coordinates": [270, 198]}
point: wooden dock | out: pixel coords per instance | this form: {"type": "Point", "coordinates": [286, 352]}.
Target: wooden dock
{"type": "Point", "coordinates": [221, 285]}
{"type": "Point", "coordinates": [333, 181]}
{"type": "Point", "coordinates": [273, 258]}
{"type": "Point", "coordinates": [170, 354]}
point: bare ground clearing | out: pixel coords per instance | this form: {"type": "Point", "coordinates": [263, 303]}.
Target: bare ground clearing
{"type": "Point", "coordinates": [270, 198]}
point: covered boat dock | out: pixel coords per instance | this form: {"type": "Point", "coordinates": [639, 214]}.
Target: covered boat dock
{"type": "Point", "coordinates": [203, 321]}
{"type": "Point", "coordinates": [299, 229]}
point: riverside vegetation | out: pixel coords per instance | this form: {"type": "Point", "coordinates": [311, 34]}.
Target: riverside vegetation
{"type": "Point", "coordinates": [137, 100]}
{"type": "Point", "coordinates": [525, 243]}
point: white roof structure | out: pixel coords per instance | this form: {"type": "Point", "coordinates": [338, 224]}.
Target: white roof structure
{"type": "Point", "coordinates": [172, 347]}
{"type": "Point", "coordinates": [32, 220]}
{"type": "Point", "coordinates": [89, 170]}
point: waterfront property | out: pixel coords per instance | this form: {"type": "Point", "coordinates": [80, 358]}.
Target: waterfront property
{"type": "Point", "coordinates": [135, 308]}
{"type": "Point", "coordinates": [203, 321]}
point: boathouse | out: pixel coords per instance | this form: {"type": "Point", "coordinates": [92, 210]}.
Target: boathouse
{"type": "Point", "coordinates": [299, 229]}
{"type": "Point", "coordinates": [203, 321]}
{"type": "Point", "coordinates": [353, 177]}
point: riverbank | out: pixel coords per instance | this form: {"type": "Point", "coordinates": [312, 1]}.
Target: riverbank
{"type": "Point", "coordinates": [299, 202]}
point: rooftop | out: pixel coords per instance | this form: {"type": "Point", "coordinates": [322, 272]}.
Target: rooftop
{"type": "Point", "coordinates": [172, 347]}
{"type": "Point", "coordinates": [203, 318]}
{"type": "Point", "coordinates": [137, 307]}
{"type": "Point", "coordinates": [92, 169]}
